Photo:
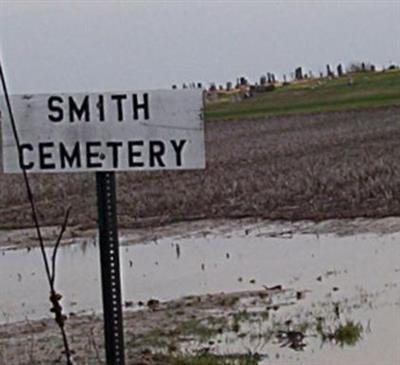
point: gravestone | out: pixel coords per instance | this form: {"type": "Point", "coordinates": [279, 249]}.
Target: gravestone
{"type": "Point", "coordinates": [298, 73]}
{"type": "Point", "coordinates": [339, 70]}
{"type": "Point", "coordinates": [243, 81]}
{"type": "Point", "coordinates": [329, 72]}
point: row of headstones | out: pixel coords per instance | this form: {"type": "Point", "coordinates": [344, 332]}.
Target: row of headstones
{"type": "Point", "coordinates": [299, 75]}
{"type": "Point", "coordinates": [269, 78]}
{"type": "Point", "coordinates": [363, 67]}
{"type": "Point", "coordinates": [191, 85]}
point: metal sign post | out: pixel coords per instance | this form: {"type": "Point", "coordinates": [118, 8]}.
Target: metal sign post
{"type": "Point", "coordinates": [106, 133]}
{"type": "Point", "coordinates": [110, 274]}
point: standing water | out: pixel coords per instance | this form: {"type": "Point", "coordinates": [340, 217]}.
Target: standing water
{"type": "Point", "coordinates": [359, 269]}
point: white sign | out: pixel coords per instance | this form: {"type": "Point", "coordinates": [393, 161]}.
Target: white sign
{"type": "Point", "coordinates": [140, 130]}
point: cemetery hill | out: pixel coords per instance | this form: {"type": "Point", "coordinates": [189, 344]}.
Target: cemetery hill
{"type": "Point", "coordinates": [69, 113]}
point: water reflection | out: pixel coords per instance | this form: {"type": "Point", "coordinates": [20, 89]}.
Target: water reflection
{"type": "Point", "coordinates": [323, 272]}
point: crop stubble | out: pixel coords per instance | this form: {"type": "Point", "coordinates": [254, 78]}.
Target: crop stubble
{"type": "Point", "coordinates": [319, 166]}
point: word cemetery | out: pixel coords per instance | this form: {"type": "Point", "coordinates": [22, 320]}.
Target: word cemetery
{"type": "Point", "coordinates": [96, 154]}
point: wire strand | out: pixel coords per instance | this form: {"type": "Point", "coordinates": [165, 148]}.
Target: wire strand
{"type": "Point", "coordinates": [54, 296]}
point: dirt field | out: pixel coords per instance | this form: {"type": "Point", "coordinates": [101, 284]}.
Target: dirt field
{"type": "Point", "coordinates": [321, 166]}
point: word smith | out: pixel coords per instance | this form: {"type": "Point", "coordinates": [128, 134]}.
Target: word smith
{"type": "Point", "coordinates": [90, 107]}
{"type": "Point", "coordinates": [146, 130]}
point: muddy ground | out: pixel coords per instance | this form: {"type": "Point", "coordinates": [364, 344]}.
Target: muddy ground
{"type": "Point", "coordinates": [165, 333]}
{"type": "Point", "coordinates": [320, 166]}
{"type": "Point", "coordinates": [11, 239]}
{"type": "Point", "coordinates": [289, 298]}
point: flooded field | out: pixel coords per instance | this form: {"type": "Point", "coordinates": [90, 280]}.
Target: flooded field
{"type": "Point", "coordinates": [317, 287]}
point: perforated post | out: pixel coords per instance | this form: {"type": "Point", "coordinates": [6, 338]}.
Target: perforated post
{"type": "Point", "coordinates": [110, 270]}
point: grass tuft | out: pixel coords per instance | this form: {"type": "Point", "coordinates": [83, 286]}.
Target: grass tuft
{"type": "Point", "coordinates": [348, 334]}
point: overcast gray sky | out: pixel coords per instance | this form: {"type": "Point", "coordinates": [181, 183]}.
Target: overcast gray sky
{"type": "Point", "coordinates": [125, 45]}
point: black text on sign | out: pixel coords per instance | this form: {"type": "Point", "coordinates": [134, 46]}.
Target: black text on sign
{"type": "Point", "coordinates": [149, 130]}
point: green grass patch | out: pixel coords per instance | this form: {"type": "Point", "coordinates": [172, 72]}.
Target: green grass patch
{"type": "Point", "coordinates": [367, 91]}
{"type": "Point", "coordinates": [348, 334]}
{"type": "Point", "coordinates": [211, 359]}
{"type": "Point", "coordinates": [164, 338]}
{"type": "Point", "coordinates": [196, 328]}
